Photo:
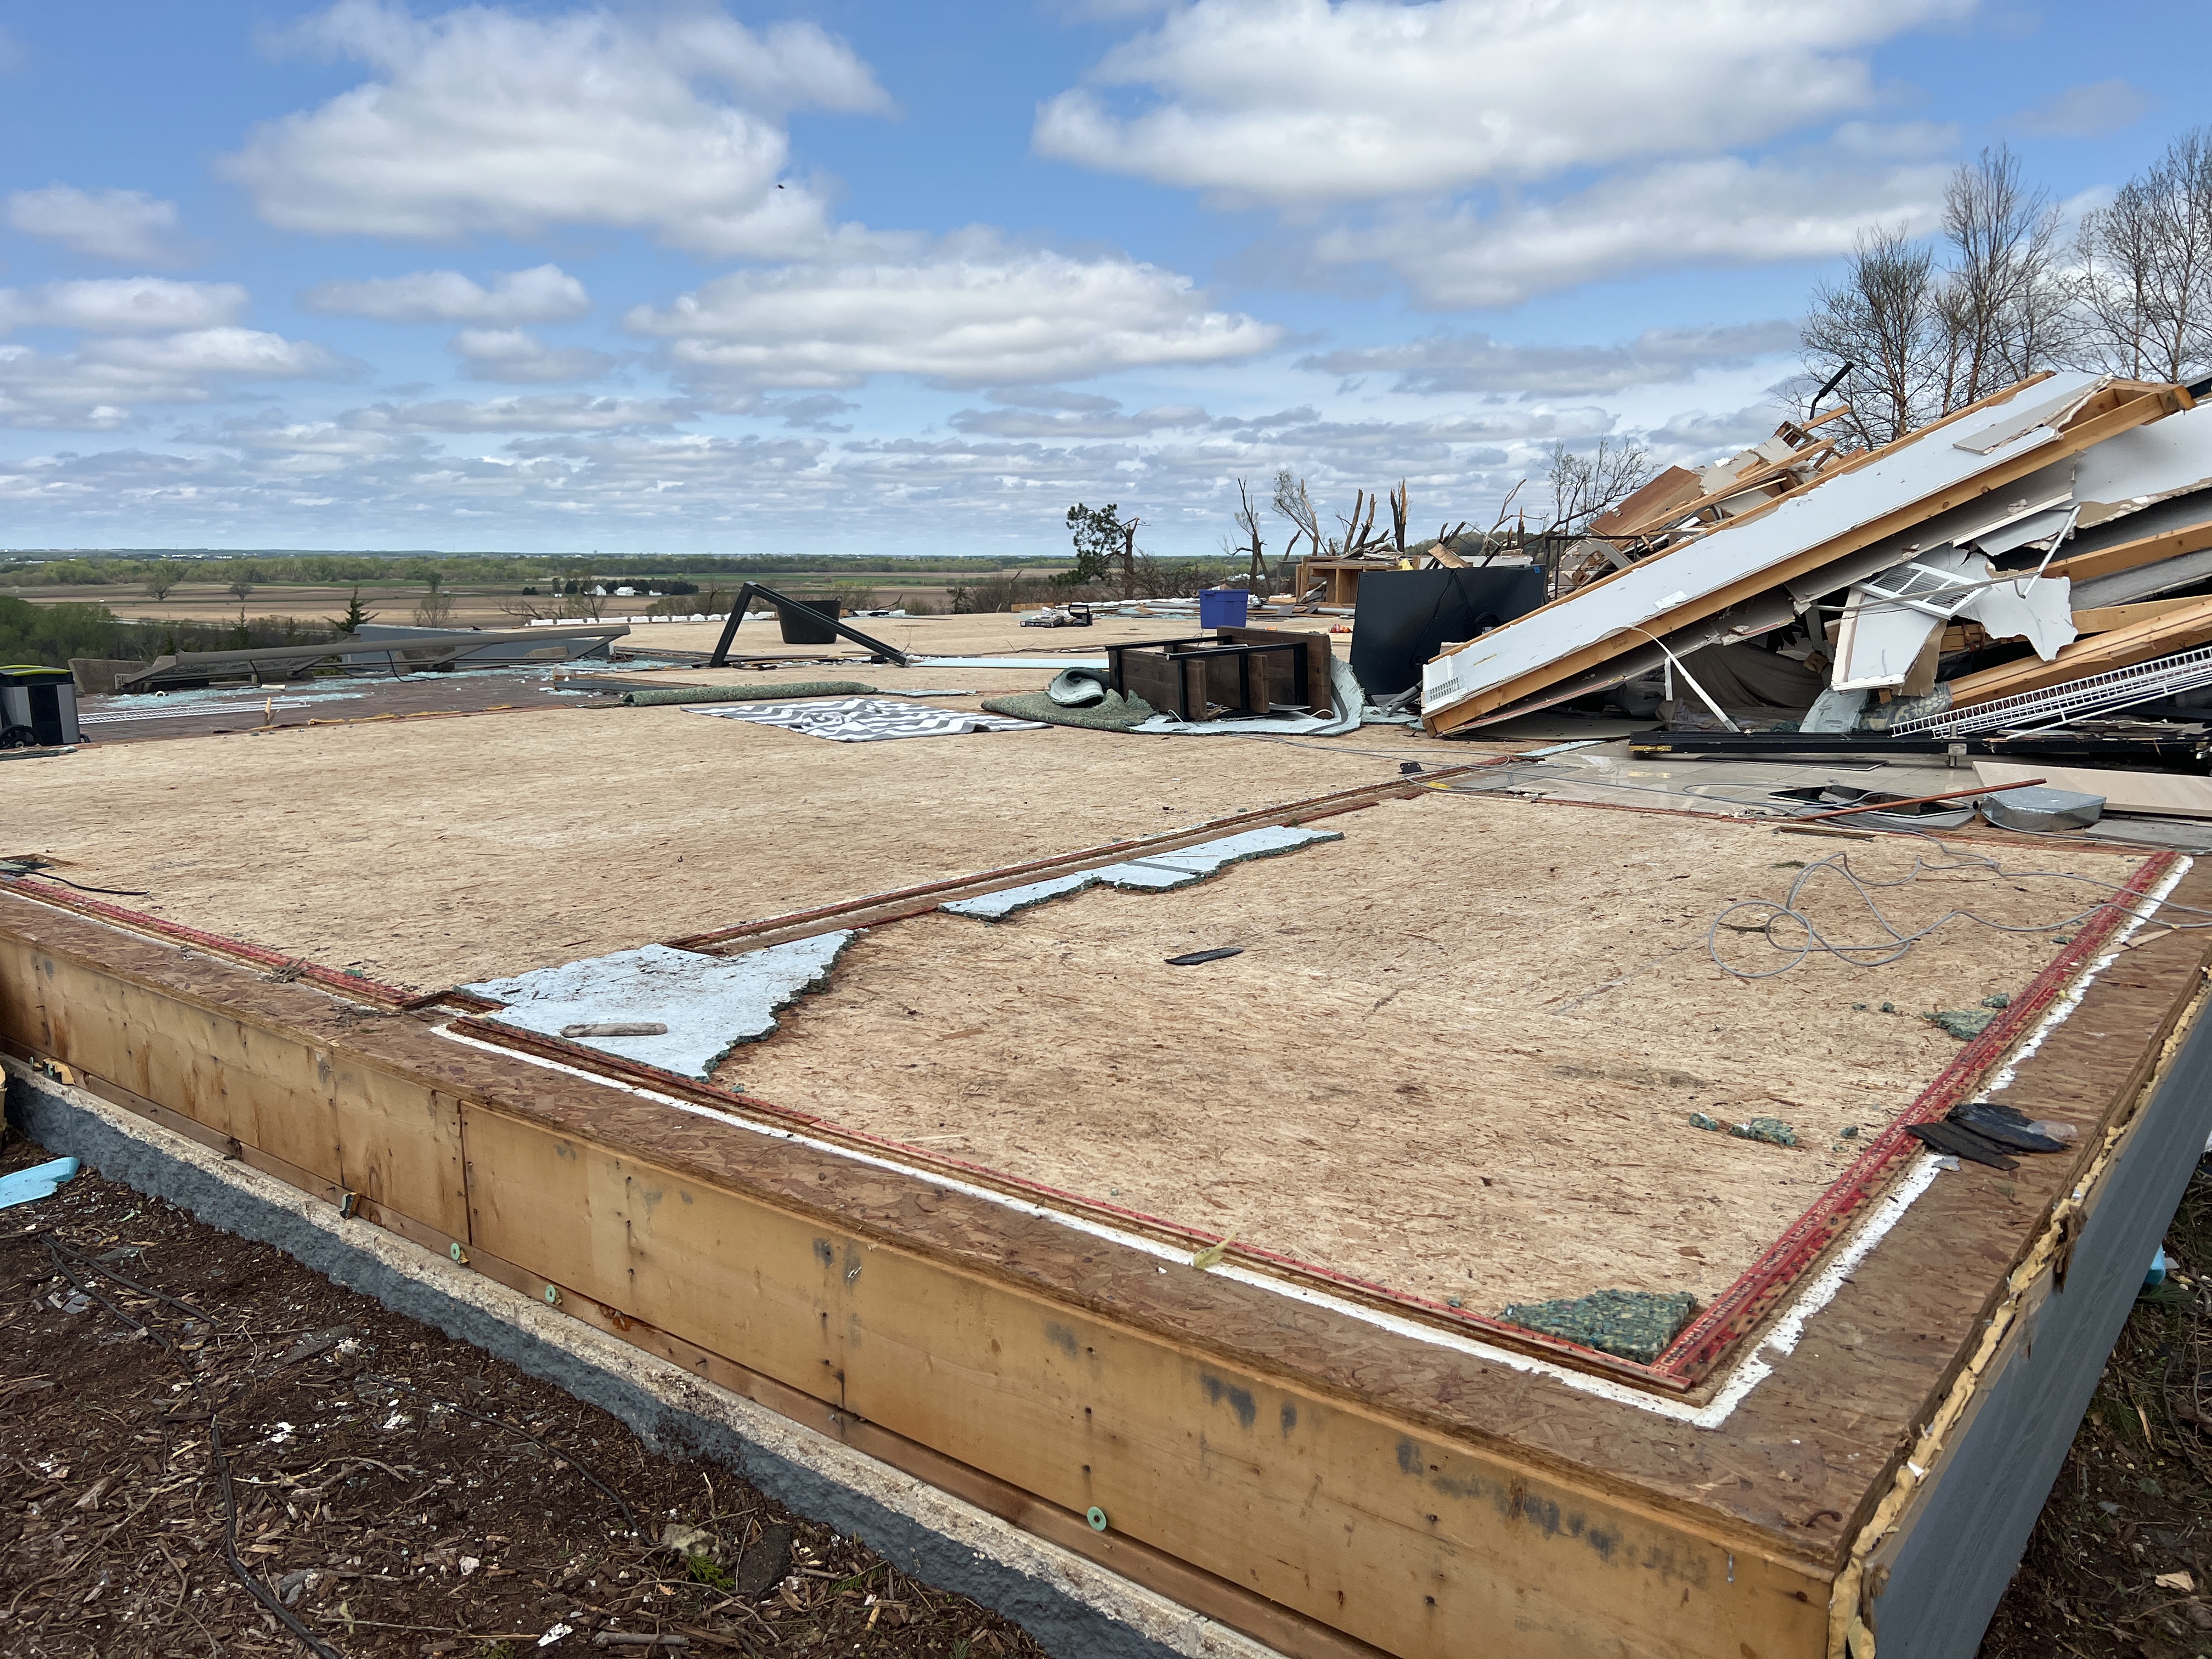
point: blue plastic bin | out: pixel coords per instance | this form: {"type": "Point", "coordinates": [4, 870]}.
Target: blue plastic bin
{"type": "Point", "coordinates": [1222, 607]}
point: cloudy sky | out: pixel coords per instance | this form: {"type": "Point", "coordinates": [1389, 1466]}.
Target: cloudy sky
{"type": "Point", "coordinates": [912, 277]}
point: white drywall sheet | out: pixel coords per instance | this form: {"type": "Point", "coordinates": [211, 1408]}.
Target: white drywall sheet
{"type": "Point", "coordinates": [1643, 595]}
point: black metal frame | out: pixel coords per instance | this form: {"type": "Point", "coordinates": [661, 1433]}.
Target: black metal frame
{"type": "Point", "coordinates": [782, 602]}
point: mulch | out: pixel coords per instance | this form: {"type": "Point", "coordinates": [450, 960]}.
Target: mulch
{"type": "Point", "coordinates": [207, 1448]}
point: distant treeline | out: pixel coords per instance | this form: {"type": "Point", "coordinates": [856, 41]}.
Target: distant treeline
{"type": "Point", "coordinates": [327, 569]}
{"type": "Point", "coordinates": [53, 634]}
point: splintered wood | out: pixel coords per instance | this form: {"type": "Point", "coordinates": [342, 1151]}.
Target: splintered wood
{"type": "Point", "coordinates": [1458, 1055]}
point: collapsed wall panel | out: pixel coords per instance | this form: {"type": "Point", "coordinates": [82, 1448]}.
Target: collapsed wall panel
{"type": "Point", "coordinates": [1940, 468]}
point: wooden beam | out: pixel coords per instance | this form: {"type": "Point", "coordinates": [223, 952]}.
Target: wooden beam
{"type": "Point", "coordinates": [2104, 618]}
{"type": "Point", "coordinates": [2136, 412]}
{"type": "Point", "coordinates": [2171, 630]}
{"type": "Point", "coordinates": [2131, 556]}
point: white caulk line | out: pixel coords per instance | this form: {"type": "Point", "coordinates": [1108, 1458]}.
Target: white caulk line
{"type": "Point", "coordinates": [2142, 911]}
{"type": "Point", "coordinates": [1747, 1374]}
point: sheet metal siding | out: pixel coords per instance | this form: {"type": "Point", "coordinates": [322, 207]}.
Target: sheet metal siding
{"type": "Point", "coordinates": [1965, 1543]}
{"type": "Point", "coordinates": [1646, 592]}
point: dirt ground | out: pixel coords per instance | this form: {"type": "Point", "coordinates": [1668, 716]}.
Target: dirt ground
{"type": "Point", "coordinates": [393, 1491]}
{"type": "Point", "coordinates": [1458, 1054]}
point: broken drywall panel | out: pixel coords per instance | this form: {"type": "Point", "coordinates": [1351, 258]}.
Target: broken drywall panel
{"type": "Point", "coordinates": [2048, 413]}
{"type": "Point", "coordinates": [1615, 614]}
{"type": "Point", "coordinates": [710, 1003]}
{"type": "Point", "coordinates": [2037, 608]}
{"type": "Point", "coordinates": [1155, 872]}
{"type": "Point", "coordinates": [2138, 469]}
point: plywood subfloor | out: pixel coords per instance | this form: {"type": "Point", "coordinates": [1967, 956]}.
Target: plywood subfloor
{"type": "Point", "coordinates": [944, 636]}
{"type": "Point", "coordinates": [1457, 1057]}
{"type": "Point", "coordinates": [438, 852]}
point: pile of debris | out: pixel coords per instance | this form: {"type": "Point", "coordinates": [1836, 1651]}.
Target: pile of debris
{"type": "Point", "coordinates": [2042, 557]}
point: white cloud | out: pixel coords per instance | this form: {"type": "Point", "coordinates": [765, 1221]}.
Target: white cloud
{"type": "Point", "coordinates": [123, 305]}
{"type": "Point", "coordinates": [1109, 422]}
{"type": "Point", "coordinates": [2083, 111]}
{"type": "Point", "coordinates": [484, 120]}
{"type": "Point", "coordinates": [100, 386]}
{"type": "Point", "coordinates": [217, 351]}
{"type": "Point", "coordinates": [1306, 101]}
{"type": "Point", "coordinates": [544, 294]}
{"type": "Point", "coordinates": [115, 224]}
{"type": "Point", "coordinates": [1719, 211]}
{"type": "Point", "coordinates": [558, 412]}
{"type": "Point", "coordinates": [518, 356]}
{"type": "Point", "coordinates": [973, 313]}
{"type": "Point", "coordinates": [1445, 362]}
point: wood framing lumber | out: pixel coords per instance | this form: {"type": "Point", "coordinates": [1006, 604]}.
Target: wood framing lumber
{"type": "Point", "coordinates": [2156, 636]}
{"type": "Point", "coordinates": [2104, 618]}
{"type": "Point", "coordinates": [2128, 556]}
{"type": "Point", "coordinates": [1852, 508]}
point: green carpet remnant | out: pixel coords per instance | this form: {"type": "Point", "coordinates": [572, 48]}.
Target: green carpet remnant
{"type": "Point", "coordinates": [1964, 1023]}
{"type": "Point", "coordinates": [1771, 1130]}
{"type": "Point", "coordinates": [1116, 714]}
{"type": "Point", "coordinates": [1634, 1325]}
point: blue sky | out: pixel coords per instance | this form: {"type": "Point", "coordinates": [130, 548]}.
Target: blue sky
{"type": "Point", "coordinates": [911, 278]}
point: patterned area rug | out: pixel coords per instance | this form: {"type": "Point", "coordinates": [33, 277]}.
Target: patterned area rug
{"type": "Point", "coordinates": [870, 719]}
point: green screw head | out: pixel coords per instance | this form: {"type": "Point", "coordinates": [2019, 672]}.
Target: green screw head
{"type": "Point", "coordinates": [552, 1296]}
{"type": "Point", "coordinates": [1096, 1517]}
{"type": "Point", "coordinates": [458, 1254]}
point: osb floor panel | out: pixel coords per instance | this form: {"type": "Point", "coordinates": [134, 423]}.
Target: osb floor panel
{"type": "Point", "coordinates": [1457, 1057]}
{"type": "Point", "coordinates": [433, 853]}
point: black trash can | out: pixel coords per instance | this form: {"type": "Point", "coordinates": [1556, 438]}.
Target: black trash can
{"type": "Point", "coordinates": [37, 706]}
{"type": "Point", "coordinates": [803, 627]}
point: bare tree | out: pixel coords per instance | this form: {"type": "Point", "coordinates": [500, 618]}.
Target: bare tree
{"type": "Point", "coordinates": [1248, 523]}
{"type": "Point", "coordinates": [1880, 316]}
{"type": "Point", "coordinates": [1359, 539]}
{"type": "Point", "coordinates": [1398, 510]}
{"type": "Point", "coordinates": [1292, 501]}
{"type": "Point", "coordinates": [1587, 483]}
{"type": "Point", "coordinates": [2143, 281]}
{"type": "Point", "coordinates": [2002, 308]}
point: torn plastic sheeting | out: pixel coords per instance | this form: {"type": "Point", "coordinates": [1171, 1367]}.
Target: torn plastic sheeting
{"type": "Point", "coordinates": [1154, 873]}
{"type": "Point", "coordinates": [710, 1005]}
{"type": "Point", "coordinates": [1821, 514]}
{"type": "Point", "coordinates": [39, 1180]}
